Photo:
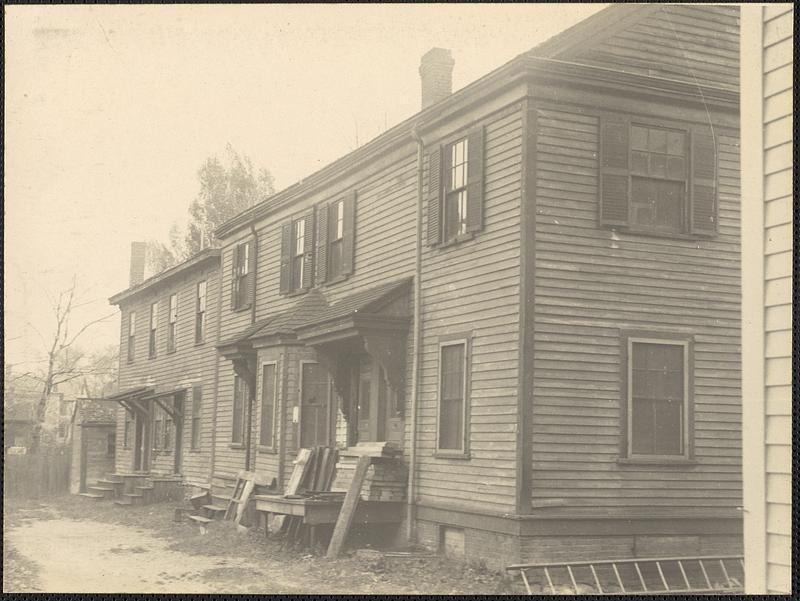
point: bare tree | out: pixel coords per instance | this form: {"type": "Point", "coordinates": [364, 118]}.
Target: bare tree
{"type": "Point", "coordinates": [64, 361]}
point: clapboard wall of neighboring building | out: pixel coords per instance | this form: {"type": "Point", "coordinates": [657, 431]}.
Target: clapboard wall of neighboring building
{"type": "Point", "coordinates": [191, 363]}
{"type": "Point", "coordinates": [767, 113]}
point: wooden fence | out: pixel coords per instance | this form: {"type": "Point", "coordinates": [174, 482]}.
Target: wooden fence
{"type": "Point", "coordinates": [46, 473]}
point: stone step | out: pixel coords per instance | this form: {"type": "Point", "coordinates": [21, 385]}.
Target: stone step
{"type": "Point", "coordinates": [215, 507]}
{"type": "Point", "coordinates": [103, 488]}
{"type": "Point", "coordinates": [110, 482]}
{"type": "Point", "coordinates": [200, 519]}
{"type": "Point", "coordinates": [90, 495]}
{"type": "Point", "coordinates": [126, 502]}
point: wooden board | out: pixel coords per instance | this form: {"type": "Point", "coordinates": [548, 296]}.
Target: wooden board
{"type": "Point", "coordinates": [348, 508]}
{"type": "Point", "coordinates": [303, 455]}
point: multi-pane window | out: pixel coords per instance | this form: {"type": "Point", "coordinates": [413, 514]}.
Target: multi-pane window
{"type": "Point", "coordinates": [158, 422]}
{"type": "Point", "coordinates": [336, 239]}
{"type": "Point", "coordinates": [298, 252]}
{"type": "Point", "coordinates": [132, 336]}
{"type": "Point", "coordinates": [242, 275]}
{"type": "Point", "coordinates": [111, 444]}
{"type": "Point", "coordinates": [167, 440]}
{"type": "Point", "coordinates": [197, 404]}
{"type": "Point", "coordinates": [455, 199]}
{"type": "Point", "coordinates": [266, 433]}
{"type": "Point", "coordinates": [153, 325]}
{"type": "Point", "coordinates": [126, 433]}
{"type": "Point", "coordinates": [200, 313]}
{"type": "Point", "coordinates": [658, 178]}
{"type": "Point", "coordinates": [657, 398]}
{"type": "Point", "coordinates": [239, 395]}
{"type": "Point", "coordinates": [173, 322]}
{"type": "Point", "coordinates": [452, 395]}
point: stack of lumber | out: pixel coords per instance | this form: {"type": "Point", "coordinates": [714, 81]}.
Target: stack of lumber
{"type": "Point", "coordinates": [386, 477]}
{"type": "Point", "coordinates": [319, 470]}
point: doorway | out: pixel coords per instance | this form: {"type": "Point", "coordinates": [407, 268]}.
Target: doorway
{"type": "Point", "coordinates": [141, 448]}
{"type": "Point", "coordinates": [178, 404]}
{"type": "Point", "coordinates": [316, 422]}
{"type": "Point", "coordinates": [378, 406]}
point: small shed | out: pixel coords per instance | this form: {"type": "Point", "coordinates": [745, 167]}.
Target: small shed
{"type": "Point", "coordinates": [93, 442]}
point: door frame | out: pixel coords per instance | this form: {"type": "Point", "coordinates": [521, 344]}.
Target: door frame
{"type": "Point", "coordinates": [177, 424]}
{"type": "Point", "coordinates": [141, 443]}
{"type": "Point", "coordinates": [331, 422]}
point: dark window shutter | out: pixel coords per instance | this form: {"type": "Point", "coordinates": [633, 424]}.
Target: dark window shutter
{"type": "Point", "coordinates": [251, 272]}
{"type": "Point", "coordinates": [322, 243]}
{"type": "Point", "coordinates": [308, 252]}
{"type": "Point", "coordinates": [475, 167]}
{"type": "Point", "coordinates": [235, 275]}
{"type": "Point", "coordinates": [703, 183]}
{"type": "Point", "coordinates": [435, 196]}
{"type": "Point", "coordinates": [349, 234]}
{"type": "Point", "coordinates": [286, 258]}
{"type": "Point", "coordinates": [614, 175]}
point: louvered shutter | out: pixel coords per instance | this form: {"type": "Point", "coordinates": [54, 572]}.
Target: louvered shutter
{"type": "Point", "coordinates": [435, 196]}
{"type": "Point", "coordinates": [235, 275]}
{"type": "Point", "coordinates": [703, 182]}
{"type": "Point", "coordinates": [308, 252]}
{"type": "Point", "coordinates": [614, 172]}
{"type": "Point", "coordinates": [322, 243]}
{"type": "Point", "coordinates": [286, 256]}
{"type": "Point", "coordinates": [251, 272]}
{"type": "Point", "coordinates": [475, 167]}
{"type": "Point", "coordinates": [349, 234]}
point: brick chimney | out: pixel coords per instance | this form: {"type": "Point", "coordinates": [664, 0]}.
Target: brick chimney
{"type": "Point", "coordinates": [436, 73]}
{"type": "Point", "coordinates": [138, 251]}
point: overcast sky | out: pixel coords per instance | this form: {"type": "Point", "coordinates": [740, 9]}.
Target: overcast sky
{"type": "Point", "coordinates": [111, 110]}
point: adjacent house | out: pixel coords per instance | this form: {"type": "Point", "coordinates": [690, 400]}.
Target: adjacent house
{"type": "Point", "coordinates": [531, 287]}
{"type": "Point", "coordinates": [93, 438]}
{"type": "Point", "coordinates": [767, 203]}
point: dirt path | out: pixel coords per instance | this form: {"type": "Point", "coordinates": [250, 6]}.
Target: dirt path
{"type": "Point", "coordinates": [86, 556]}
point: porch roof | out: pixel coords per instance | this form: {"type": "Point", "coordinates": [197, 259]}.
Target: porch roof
{"type": "Point", "coordinates": [129, 393]}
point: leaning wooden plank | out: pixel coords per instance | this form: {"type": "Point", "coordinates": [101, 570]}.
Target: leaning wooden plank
{"type": "Point", "coordinates": [248, 488]}
{"type": "Point", "coordinates": [293, 485]}
{"type": "Point", "coordinates": [237, 490]}
{"type": "Point", "coordinates": [348, 509]}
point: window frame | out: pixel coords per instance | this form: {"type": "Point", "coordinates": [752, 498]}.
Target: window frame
{"type": "Point", "coordinates": [131, 336]}
{"type": "Point", "coordinates": [201, 311]}
{"type": "Point", "coordinates": [152, 336]}
{"type": "Point", "coordinates": [335, 219]}
{"type": "Point", "coordinates": [271, 448]}
{"type": "Point", "coordinates": [157, 436]}
{"type": "Point", "coordinates": [296, 284]}
{"type": "Point", "coordinates": [195, 432]}
{"type": "Point", "coordinates": [172, 324]}
{"type": "Point", "coordinates": [448, 191]}
{"type": "Point", "coordinates": [464, 339]}
{"type": "Point", "coordinates": [111, 449]}
{"type": "Point", "coordinates": [127, 427]}
{"type": "Point", "coordinates": [686, 341]}
{"type": "Point", "coordinates": [238, 382]}
{"type": "Point", "coordinates": [242, 274]}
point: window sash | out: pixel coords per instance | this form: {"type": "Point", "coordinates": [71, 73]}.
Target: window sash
{"type": "Point", "coordinates": [452, 410]}
{"type": "Point", "coordinates": [648, 393]}
{"type": "Point", "coordinates": [200, 313]}
{"type": "Point", "coordinates": [197, 400]}
{"type": "Point", "coordinates": [268, 393]}
{"type": "Point", "coordinates": [237, 429]}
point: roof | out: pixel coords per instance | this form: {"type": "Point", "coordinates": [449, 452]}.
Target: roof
{"type": "Point", "coordinates": [129, 392]}
{"type": "Point", "coordinates": [367, 301]}
{"type": "Point", "coordinates": [96, 412]}
{"type": "Point", "coordinates": [201, 258]}
{"type": "Point", "coordinates": [19, 412]}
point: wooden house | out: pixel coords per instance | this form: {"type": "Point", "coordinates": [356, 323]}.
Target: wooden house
{"type": "Point", "coordinates": [531, 287]}
{"type": "Point", "coordinates": [767, 205]}
{"type": "Point", "coordinates": [167, 374]}
{"type": "Point", "coordinates": [93, 426]}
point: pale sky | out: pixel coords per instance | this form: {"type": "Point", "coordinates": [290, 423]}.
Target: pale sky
{"type": "Point", "coordinates": [111, 110]}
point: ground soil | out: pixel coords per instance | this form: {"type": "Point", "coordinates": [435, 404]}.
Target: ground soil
{"type": "Point", "coordinates": [73, 544]}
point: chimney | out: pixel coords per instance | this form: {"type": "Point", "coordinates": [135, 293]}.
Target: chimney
{"type": "Point", "coordinates": [138, 250]}
{"type": "Point", "coordinates": [436, 73]}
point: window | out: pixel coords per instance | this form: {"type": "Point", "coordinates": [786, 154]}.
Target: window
{"type": "Point", "coordinates": [336, 239]}
{"type": "Point", "coordinates": [111, 444]}
{"type": "Point", "coordinates": [267, 430]}
{"type": "Point", "coordinates": [452, 396]}
{"type": "Point", "coordinates": [239, 395]}
{"type": "Point", "coordinates": [200, 313]}
{"type": "Point", "coordinates": [455, 189]}
{"type": "Point", "coordinates": [126, 433]}
{"type": "Point", "coordinates": [158, 421]}
{"type": "Point", "coordinates": [62, 430]}
{"type": "Point", "coordinates": [243, 265]}
{"type": "Point", "coordinates": [153, 325]}
{"type": "Point", "coordinates": [131, 336]}
{"type": "Point", "coordinates": [297, 246]}
{"type": "Point", "coordinates": [197, 404]}
{"type": "Point", "coordinates": [658, 398]}
{"type": "Point", "coordinates": [657, 178]}
{"type": "Point", "coordinates": [173, 322]}
{"type": "Point", "coordinates": [168, 425]}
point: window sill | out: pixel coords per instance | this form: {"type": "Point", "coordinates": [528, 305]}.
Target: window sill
{"type": "Point", "coordinates": [172, 351]}
{"type": "Point", "coordinates": [457, 240]}
{"type": "Point", "coordinates": [451, 454]}
{"type": "Point", "coordinates": [267, 450]}
{"type": "Point", "coordinates": [195, 450]}
{"type": "Point", "coordinates": [297, 292]}
{"type": "Point", "coordinates": [336, 280]}
{"type": "Point", "coordinates": [236, 445]}
{"type": "Point", "coordinates": [199, 342]}
{"type": "Point", "coordinates": [242, 308]}
{"type": "Point", "coordinates": [634, 231]}
{"type": "Point", "coordinates": [656, 461]}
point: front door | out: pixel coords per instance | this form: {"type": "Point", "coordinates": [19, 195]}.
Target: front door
{"type": "Point", "coordinates": [316, 424]}
{"type": "Point", "coordinates": [141, 449]}
{"type": "Point", "coordinates": [378, 406]}
{"type": "Point", "coordinates": [177, 405]}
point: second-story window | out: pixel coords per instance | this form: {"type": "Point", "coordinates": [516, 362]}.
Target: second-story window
{"type": "Point", "coordinates": [336, 216]}
{"type": "Point", "coordinates": [297, 253]}
{"type": "Point", "coordinates": [173, 323]}
{"type": "Point", "coordinates": [200, 313]}
{"type": "Point", "coordinates": [335, 246]}
{"type": "Point", "coordinates": [132, 336]}
{"type": "Point", "coordinates": [151, 352]}
{"type": "Point", "coordinates": [242, 275]}
{"type": "Point", "coordinates": [455, 199]}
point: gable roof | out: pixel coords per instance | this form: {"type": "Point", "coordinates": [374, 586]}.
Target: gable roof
{"type": "Point", "coordinates": [367, 301]}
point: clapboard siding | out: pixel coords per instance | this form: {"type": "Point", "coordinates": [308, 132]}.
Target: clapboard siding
{"type": "Point", "coordinates": [590, 283]}
{"type": "Point", "coordinates": [698, 44]}
{"type": "Point", "coordinates": [190, 364]}
{"type": "Point", "coordinates": [474, 287]}
{"type": "Point", "coordinates": [777, 142]}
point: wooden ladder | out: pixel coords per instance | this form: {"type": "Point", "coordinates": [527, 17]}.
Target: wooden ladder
{"type": "Point", "coordinates": [720, 574]}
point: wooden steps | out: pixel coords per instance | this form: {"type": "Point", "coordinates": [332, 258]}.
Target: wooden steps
{"type": "Point", "coordinates": [92, 496]}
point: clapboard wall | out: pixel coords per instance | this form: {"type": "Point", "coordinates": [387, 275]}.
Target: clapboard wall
{"type": "Point", "coordinates": [592, 283]}
{"type": "Point", "coordinates": [190, 364]}
{"type": "Point", "coordinates": [767, 113]}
